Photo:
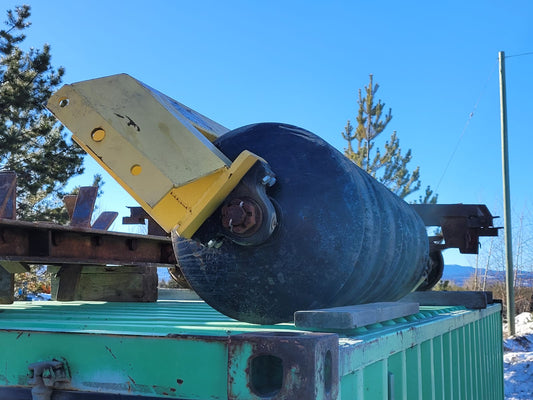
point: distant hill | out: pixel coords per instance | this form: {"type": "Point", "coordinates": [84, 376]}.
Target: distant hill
{"type": "Point", "coordinates": [459, 274]}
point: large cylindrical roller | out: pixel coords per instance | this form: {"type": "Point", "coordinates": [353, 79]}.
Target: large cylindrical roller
{"type": "Point", "coordinates": [341, 237]}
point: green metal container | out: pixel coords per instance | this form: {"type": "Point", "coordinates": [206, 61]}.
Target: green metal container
{"type": "Point", "coordinates": [186, 350]}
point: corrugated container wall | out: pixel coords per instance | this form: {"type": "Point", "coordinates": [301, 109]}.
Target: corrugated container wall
{"type": "Point", "coordinates": [444, 354]}
{"type": "Point", "coordinates": [187, 350]}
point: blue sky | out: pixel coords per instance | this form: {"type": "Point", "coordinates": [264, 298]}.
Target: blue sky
{"type": "Point", "coordinates": [302, 62]}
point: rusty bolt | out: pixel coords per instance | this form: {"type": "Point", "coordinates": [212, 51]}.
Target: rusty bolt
{"type": "Point", "coordinates": [241, 215]}
{"type": "Point", "coordinates": [233, 214]}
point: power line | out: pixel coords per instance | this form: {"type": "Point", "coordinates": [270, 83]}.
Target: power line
{"type": "Point", "coordinates": [529, 53]}
{"type": "Point", "coordinates": [470, 116]}
{"type": "Point", "coordinates": [520, 55]}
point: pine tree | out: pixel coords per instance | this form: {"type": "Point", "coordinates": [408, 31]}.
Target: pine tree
{"type": "Point", "coordinates": [32, 142]}
{"type": "Point", "coordinates": [389, 167]}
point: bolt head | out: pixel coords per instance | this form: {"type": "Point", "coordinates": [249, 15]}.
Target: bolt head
{"type": "Point", "coordinates": [241, 215]}
{"type": "Point", "coordinates": [268, 180]}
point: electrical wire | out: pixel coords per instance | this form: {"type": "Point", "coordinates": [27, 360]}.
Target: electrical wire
{"type": "Point", "coordinates": [470, 116]}
{"type": "Point", "coordinates": [520, 55]}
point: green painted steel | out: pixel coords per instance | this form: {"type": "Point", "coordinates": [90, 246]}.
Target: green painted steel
{"type": "Point", "coordinates": [446, 354]}
{"type": "Point", "coordinates": [186, 350]}
{"type": "Point", "coordinates": [177, 317]}
{"type": "Point", "coordinates": [122, 364]}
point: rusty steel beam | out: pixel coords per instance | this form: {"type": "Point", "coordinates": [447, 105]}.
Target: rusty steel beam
{"type": "Point", "coordinates": [432, 214]}
{"type": "Point", "coordinates": [273, 356]}
{"type": "Point", "coordinates": [50, 244]}
{"type": "Point", "coordinates": [84, 207]}
{"type": "Point", "coordinates": [73, 247]}
{"type": "Point", "coordinates": [8, 202]}
{"type": "Point", "coordinates": [8, 199]}
{"type": "Point", "coordinates": [80, 213]}
{"type": "Point", "coordinates": [462, 224]}
{"type": "Point", "coordinates": [105, 220]}
{"type": "Point", "coordinates": [138, 216]}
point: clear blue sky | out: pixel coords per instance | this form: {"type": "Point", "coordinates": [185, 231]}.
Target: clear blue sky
{"type": "Point", "coordinates": [302, 62]}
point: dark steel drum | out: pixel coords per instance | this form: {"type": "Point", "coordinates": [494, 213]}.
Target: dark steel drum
{"type": "Point", "coordinates": [342, 238]}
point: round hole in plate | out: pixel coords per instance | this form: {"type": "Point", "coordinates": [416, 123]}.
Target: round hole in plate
{"type": "Point", "coordinates": [266, 375]}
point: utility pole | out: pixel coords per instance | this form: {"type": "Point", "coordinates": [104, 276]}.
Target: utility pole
{"type": "Point", "coordinates": [509, 280]}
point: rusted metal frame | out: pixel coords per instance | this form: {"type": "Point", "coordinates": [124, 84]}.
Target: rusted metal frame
{"type": "Point", "coordinates": [105, 220]}
{"type": "Point", "coordinates": [278, 365]}
{"type": "Point", "coordinates": [264, 365]}
{"type": "Point", "coordinates": [80, 209]}
{"type": "Point", "coordinates": [70, 247]}
{"type": "Point", "coordinates": [8, 186]}
{"type": "Point", "coordinates": [462, 225]}
{"type": "Point", "coordinates": [431, 214]}
{"type": "Point", "coordinates": [457, 233]}
{"type": "Point", "coordinates": [43, 243]}
{"type": "Point", "coordinates": [138, 216]}
{"type": "Point", "coordinates": [84, 207]}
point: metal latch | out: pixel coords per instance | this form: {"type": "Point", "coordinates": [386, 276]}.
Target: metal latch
{"type": "Point", "coordinates": [45, 376]}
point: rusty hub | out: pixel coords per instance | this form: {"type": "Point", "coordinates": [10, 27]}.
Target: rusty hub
{"type": "Point", "coordinates": [241, 215]}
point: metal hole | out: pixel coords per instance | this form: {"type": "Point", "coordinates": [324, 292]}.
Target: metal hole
{"type": "Point", "coordinates": [266, 375]}
{"type": "Point", "coordinates": [328, 372]}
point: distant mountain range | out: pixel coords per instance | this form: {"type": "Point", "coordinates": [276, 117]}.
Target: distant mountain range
{"type": "Point", "coordinates": [459, 274]}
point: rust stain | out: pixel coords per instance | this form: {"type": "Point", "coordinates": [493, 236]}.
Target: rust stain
{"type": "Point", "coordinates": [180, 201]}
{"type": "Point", "coordinates": [108, 349]}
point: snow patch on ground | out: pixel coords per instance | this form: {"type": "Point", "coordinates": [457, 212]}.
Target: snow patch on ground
{"type": "Point", "coordinates": [518, 359]}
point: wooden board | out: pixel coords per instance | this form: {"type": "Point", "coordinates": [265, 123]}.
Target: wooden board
{"type": "Point", "coordinates": [350, 317]}
{"type": "Point", "coordinates": [469, 299]}
{"type": "Point", "coordinates": [112, 283]}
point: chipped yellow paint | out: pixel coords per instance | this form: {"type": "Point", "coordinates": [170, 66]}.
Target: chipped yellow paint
{"type": "Point", "coordinates": [185, 208]}
{"type": "Point", "coordinates": [157, 149]}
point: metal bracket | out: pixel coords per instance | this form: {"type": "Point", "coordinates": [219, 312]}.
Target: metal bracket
{"type": "Point", "coordinates": [283, 365]}
{"type": "Point", "coordinates": [45, 376]}
{"type": "Point", "coordinates": [139, 216]}
{"type": "Point", "coordinates": [462, 224]}
{"type": "Point", "coordinates": [259, 218]}
{"type": "Point", "coordinates": [461, 227]}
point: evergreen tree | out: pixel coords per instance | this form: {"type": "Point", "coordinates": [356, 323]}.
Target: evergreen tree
{"type": "Point", "coordinates": [32, 142]}
{"type": "Point", "coordinates": [390, 166]}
